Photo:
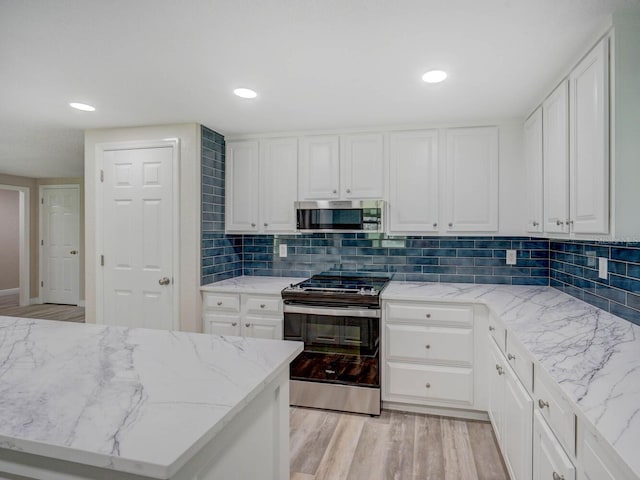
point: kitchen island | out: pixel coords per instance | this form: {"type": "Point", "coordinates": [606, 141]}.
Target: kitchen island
{"type": "Point", "coordinates": [96, 402]}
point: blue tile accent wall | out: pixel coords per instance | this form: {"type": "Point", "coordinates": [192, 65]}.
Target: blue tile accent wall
{"type": "Point", "coordinates": [221, 254]}
{"type": "Point", "coordinates": [574, 270]}
{"type": "Point", "coordinates": [411, 258]}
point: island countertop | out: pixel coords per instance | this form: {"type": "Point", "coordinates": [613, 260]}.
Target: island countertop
{"type": "Point", "coordinates": [594, 356]}
{"type": "Point", "coordinates": [131, 400]}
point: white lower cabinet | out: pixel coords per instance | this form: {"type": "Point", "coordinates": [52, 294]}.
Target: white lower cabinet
{"type": "Point", "coordinates": [550, 462]}
{"type": "Point", "coordinates": [247, 315]}
{"type": "Point", "coordinates": [510, 409]}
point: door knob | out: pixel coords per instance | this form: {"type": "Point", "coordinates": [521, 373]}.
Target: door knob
{"type": "Point", "coordinates": [164, 281]}
{"type": "Point", "coordinates": [73, 252]}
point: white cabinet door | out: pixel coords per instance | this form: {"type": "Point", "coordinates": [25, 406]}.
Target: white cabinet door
{"type": "Point", "coordinates": [471, 179]}
{"type": "Point", "coordinates": [495, 382]}
{"type": "Point", "coordinates": [555, 135]}
{"type": "Point", "coordinates": [222, 324]}
{"type": "Point", "coordinates": [589, 142]}
{"type": "Point", "coordinates": [413, 187]}
{"type": "Point", "coordinates": [549, 460]}
{"type": "Point", "coordinates": [518, 415]}
{"type": "Point", "coordinates": [319, 168]}
{"type": "Point", "coordinates": [362, 166]}
{"type": "Point", "coordinates": [261, 327]}
{"type": "Point", "coordinates": [241, 210]}
{"type": "Point", "coordinates": [533, 164]}
{"type": "Point", "coordinates": [278, 184]}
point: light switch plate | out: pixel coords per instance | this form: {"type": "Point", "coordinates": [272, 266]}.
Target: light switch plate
{"type": "Point", "coordinates": [602, 267]}
{"type": "Point", "coordinates": [511, 257]}
{"type": "Point", "coordinates": [282, 250]}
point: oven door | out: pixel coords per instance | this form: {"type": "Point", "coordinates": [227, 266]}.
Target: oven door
{"type": "Point", "coordinates": [341, 345]}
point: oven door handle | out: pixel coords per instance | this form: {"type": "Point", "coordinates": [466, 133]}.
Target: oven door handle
{"type": "Point", "coordinates": [333, 312]}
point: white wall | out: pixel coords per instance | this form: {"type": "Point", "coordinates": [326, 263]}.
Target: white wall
{"type": "Point", "coordinates": [9, 239]}
{"type": "Point", "coordinates": [189, 276]}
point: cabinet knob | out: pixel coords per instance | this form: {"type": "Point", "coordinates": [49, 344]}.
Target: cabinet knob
{"type": "Point", "coordinates": [266, 224]}
{"type": "Point", "coordinates": [535, 224]}
{"type": "Point", "coordinates": [559, 222]}
{"type": "Point", "coordinates": [451, 224]}
{"type": "Point", "coordinates": [435, 225]}
{"type": "Point", "coordinates": [335, 191]}
{"type": "Point", "coordinates": [428, 385]}
{"type": "Point", "coordinates": [253, 224]}
{"type": "Point", "coordinates": [511, 356]}
{"type": "Point", "coordinates": [427, 346]}
{"type": "Point", "coordinates": [233, 324]}
{"type": "Point", "coordinates": [247, 325]}
{"type": "Point", "coordinates": [219, 303]}
{"type": "Point", "coordinates": [348, 190]}
{"type": "Point", "coordinates": [557, 476]}
{"type": "Point", "coordinates": [542, 403]}
{"type": "Point", "coordinates": [492, 328]}
{"type": "Point", "coordinates": [500, 370]}
{"type": "Point", "coordinates": [428, 315]}
{"type": "Point", "coordinates": [262, 305]}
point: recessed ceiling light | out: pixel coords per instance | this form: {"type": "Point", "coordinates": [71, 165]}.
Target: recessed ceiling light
{"type": "Point", "coordinates": [245, 93]}
{"type": "Point", "coordinates": [434, 76]}
{"type": "Point", "coordinates": [82, 106]}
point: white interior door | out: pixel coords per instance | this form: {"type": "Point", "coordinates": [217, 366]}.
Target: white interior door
{"type": "Point", "coordinates": [138, 237]}
{"type": "Point", "coordinates": [60, 213]}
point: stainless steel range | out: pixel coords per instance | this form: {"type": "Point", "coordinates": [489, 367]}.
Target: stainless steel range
{"type": "Point", "coordinates": [338, 319]}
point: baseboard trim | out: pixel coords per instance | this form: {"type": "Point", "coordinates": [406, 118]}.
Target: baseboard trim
{"type": "Point", "coordinates": [441, 411]}
{"type": "Point", "coordinates": [9, 291]}
{"type": "Point", "coordinates": [35, 301]}
{"type": "Point", "coordinates": [81, 303]}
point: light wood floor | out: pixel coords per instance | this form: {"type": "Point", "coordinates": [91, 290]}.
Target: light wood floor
{"type": "Point", "coordinates": [395, 446]}
{"type": "Point", "coordinates": [47, 311]}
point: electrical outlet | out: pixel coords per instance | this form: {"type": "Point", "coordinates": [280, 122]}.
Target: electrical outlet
{"type": "Point", "coordinates": [512, 257]}
{"type": "Point", "coordinates": [282, 250]}
{"type": "Point", "coordinates": [602, 267]}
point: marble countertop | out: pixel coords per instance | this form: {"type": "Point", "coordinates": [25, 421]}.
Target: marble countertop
{"type": "Point", "coordinates": [132, 400]}
{"type": "Point", "coordinates": [594, 356]}
{"type": "Point", "coordinates": [247, 284]}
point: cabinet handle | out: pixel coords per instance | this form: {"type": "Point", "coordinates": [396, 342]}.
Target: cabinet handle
{"type": "Point", "coordinates": [492, 328]}
{"type": "Point", "coordinates": [535, 224]}
{"type": "Point", "coordinates": [427, 346]}
{"type": "Point", "coordinates": [335, 191]}
{"type": "Point", "coordinates": [557, 476]}
{"type": "Point", "coordinates": [559, 222]}
{"type": "Point", "coordinates": [348, 190]}
{"type": "Point", "coordinates": [435, 225]}
{"type": "Point", "coordinates": [233, 324]}
{"type": "Point", "coordinates": [510, 356]}
{"type": "Point", "coordinates": [542, 403]}
{"type": "Point", "coordinates": [451, 224]}
{"type": "Point", "coordinates": [262, 305]}
{"type": "Point", "coordinates": [247, 325]}
{"type": "Point", "coordinates": [428, 385]}
{"type": "Point", "coordinates": [219, 303]}
{"type": "Point", "coordinates": [500, 370]}
{"type": "Point", "coordinates": [428, 315]}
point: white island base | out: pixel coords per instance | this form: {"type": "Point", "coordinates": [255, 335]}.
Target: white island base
{"type": "Point", "coordinates": [253, 445]}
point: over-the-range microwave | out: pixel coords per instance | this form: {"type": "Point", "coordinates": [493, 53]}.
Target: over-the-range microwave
{"type": "Point", "coordinates": [345, 216]}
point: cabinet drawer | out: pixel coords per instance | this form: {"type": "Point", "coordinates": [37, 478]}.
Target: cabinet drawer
{"type": "Point", "coordinates": [425, 343]}
{"type": "Point", "coordinates": [520, 361]}
{"type": "Point", "coordinates": [430, 383]}
{"type": "Point", "coordinates": [263, 305]}
{"type": "Point", "coordinates": [222, 324]}
{"type": "Point", "coordinates": [226, 302]}
{"type": "Point", "coordinates": [556, 409]}
{"type": "Point", "coordinates": [433, 313]}
{"type": "Point", "coordinates": [549, 459]}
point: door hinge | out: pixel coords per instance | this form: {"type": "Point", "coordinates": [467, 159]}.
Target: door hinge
{"type": "Point", "coordinates": [42, 201]}
{"type": "Point", "coordinates": [102, 260]}
{"type": "Point", "coordinates": [42, 284]}
{"type": "Point", "coordinates": [42, 243]}
{"type": "Point", "coordinates": [102, 175]}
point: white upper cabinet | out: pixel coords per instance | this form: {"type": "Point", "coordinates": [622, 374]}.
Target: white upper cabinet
{"type": "Point", "coordinates": [319, 168]}
{"type": "Point", "coordinates": [362, 166]}
{"type": "Point", "coordinates": [533, 164]}
{"type": "Point", "coordinates": [278, 184]}
{"type": "Point", "coordinates": [589, 142]}
{"type": "Point", "coordinates": [471, 179]}
{"type": "Point", "coordinates": [261, 185]}
{"type": "Point", "coordinates": [413, 186]}
{"type": "Point", "coordinates": [241, 184]}
{"type": "Point", "coordinates": [555, 134]}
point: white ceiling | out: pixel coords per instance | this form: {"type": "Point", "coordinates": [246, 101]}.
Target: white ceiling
{"type": "Point", "coordinates": [316, 64]}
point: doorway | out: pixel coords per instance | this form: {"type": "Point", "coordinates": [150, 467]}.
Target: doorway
{"type": "Point", "coordinates": [21, 249]}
